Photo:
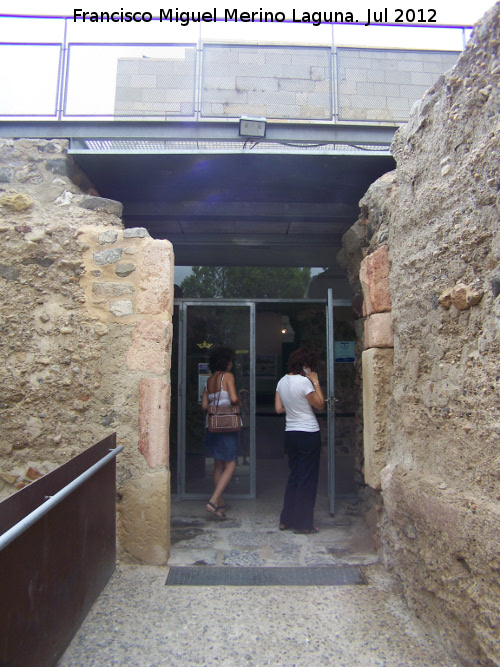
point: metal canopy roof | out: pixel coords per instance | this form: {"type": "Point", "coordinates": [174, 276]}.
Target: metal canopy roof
{"type": "Point", "coordinates": [239, 207]}
{"type": "Point", "coordinates": [225, 200]}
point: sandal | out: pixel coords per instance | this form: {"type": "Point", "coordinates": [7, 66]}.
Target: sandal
{"type": "Point", "coordinates": [282, 526]}
{"type": "Point", "coordinates": [225, 507]}
{"type": "Point", "coordinates": [308, 531]}
{"type": "Point", "coordinates": [216, 511]}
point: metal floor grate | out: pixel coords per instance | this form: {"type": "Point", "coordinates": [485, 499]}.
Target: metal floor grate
{"type": "Point", "coordinates": [265, 576]}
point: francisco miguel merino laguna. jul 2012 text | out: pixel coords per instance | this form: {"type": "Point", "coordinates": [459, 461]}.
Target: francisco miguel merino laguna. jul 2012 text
{"type": "Point", "coordinates": [316, 18]}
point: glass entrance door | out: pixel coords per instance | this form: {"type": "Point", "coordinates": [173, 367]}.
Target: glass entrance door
{"type": "Point", "coordinates": [330, 400]}
{"type": "Point", "coordinates": [263, 333]}
{"type": "Point", "coordinates": [204, 326]}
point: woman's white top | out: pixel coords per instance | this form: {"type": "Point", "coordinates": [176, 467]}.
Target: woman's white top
{"type": "Point", "coordinates": [224, 398]}
{"type": "Point", "coordinates": [293, 390]}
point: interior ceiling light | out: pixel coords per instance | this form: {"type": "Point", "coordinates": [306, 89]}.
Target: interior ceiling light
{"type": "Point", "coordinates": [252, 127]}
{"type": "Point", "coordinates": [287, 332]}
{"type": "Point", "coordinates": [286, 327]}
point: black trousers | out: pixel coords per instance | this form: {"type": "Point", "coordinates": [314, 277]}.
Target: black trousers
{"type": "Point", "coordinates": [303, 451]}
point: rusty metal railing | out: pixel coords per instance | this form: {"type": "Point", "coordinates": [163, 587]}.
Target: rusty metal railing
{"type": "Point", "coordinates": [57, 552]}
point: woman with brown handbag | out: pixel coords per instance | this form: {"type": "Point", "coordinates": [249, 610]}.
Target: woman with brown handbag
{"type": "Point", "coordinates": [220, 390]}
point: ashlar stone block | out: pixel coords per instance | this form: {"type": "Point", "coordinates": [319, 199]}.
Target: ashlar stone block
{"type": "Point", "coordinates": [378, 331]}
{"type": "Point", "coordinates": [374, 277]}
{"type": "Point", "coordinates": [154, 418]}
{"type": "Point", "coordinates": [150, 349]}
{"type": "Point", "coordinates": [144, 517]}
{"type": "Point", "coordinates": [257, 83]}
{"type": "Point", "coordinates": [308, 111]}
{"type": "Point", "coordinates": [377, 370]}
{"type": "Point", "coordinates": [157, 283]}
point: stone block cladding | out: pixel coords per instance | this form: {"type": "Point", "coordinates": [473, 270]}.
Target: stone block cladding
{"type": "Point", "coordinates": [268, 81]}
{"type": "Point", "coordinates": [157, 86]}
{"type": "Point", "coordinates": [86, 335]}
{"type": "Point", "coordinates": [383, 84]}
{"type": "Point", "coordinates": [279, 82]}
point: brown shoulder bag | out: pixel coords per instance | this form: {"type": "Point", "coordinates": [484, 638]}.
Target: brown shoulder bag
{"type": "Point", "coordinates": [223, 418]}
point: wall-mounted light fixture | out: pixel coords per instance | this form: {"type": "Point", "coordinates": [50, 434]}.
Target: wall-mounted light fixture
{"type": "Point", "coordinates": [252, 127]}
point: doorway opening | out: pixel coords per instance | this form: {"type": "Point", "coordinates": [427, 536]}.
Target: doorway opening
{"type": "Point", "coordinates": [264, 333]}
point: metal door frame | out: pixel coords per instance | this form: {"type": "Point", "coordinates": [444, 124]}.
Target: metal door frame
{"type": "Point", "coordinates": [330, 303]}
{"type": "Point", "coordinates": [184, 304]}
{"type": "Point", "coordinates": [330, 398]}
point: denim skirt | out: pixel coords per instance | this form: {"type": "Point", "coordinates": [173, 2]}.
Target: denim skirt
{"type": "Point", "coordinates": [221, 446]}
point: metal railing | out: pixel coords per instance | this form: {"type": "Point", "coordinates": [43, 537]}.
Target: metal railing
{"type": "Point", "coordinates": [23, 525]}
{"type": "Point", "coordinates": [67, 78]}
{"type": "Point", "coordinates": [57, 552]}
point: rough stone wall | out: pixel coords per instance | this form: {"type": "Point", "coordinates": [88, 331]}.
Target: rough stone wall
{"type": "Point", "coordinates": [86, 333]}
{"type": "Point", "coordinates": [440, 519]}
{"type": "Point", "coordinates": [442, 484]}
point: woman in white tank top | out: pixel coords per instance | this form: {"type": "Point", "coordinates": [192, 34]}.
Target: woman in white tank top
{"type": "Point", "coordinates": [223, 447]}
{"type": "Point", "coordinates": [296, 395]}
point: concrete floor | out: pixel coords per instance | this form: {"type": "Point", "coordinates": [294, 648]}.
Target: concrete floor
{"type": "Point", "coordinates": [138, 621]}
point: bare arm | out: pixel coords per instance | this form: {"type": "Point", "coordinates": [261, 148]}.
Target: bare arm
{"type": "Point", "coordinates": [315, 398]}
{"type": "Point", "coordinates": [278, 404]}
{"type": "Point", "coordinates": [204, 400]}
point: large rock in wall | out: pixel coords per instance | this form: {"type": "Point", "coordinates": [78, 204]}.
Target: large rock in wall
{"type": "Point", "coordinates": [85, 336]}
{"type": "Point", "coordinates": [441, 487]}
